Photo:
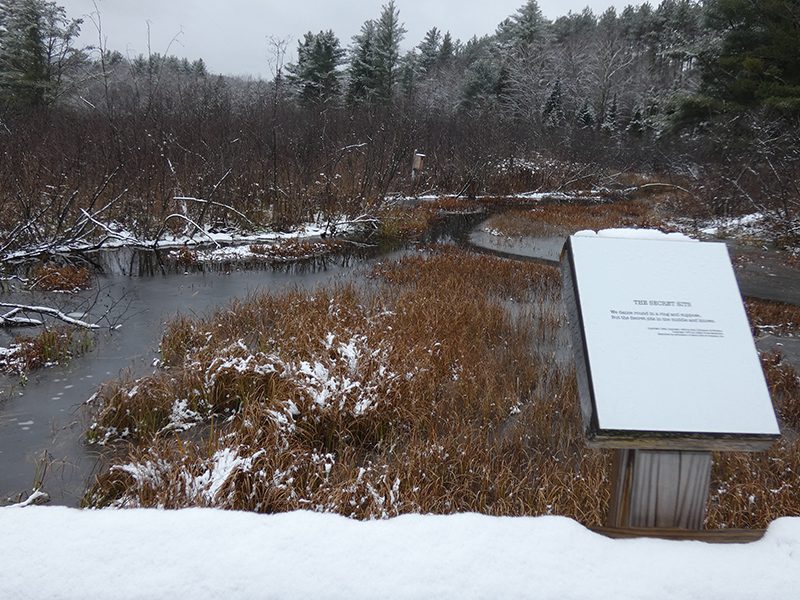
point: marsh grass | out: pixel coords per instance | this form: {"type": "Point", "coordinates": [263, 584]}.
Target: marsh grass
{"type": "Point", "coordinates": [564, 219]}
{"type": "Point", "coordinates": [769, 316]}
{"type": "Point", "coordinates": [434, 387]}
{"type": "Point", "coordinates": [49, 347]}
{"type": "Point", "coordinates": [418, 392]}
{"type": "Point", "coordinates": [289, 250]}
{"type": "Point", "coordinates": [51, 277]}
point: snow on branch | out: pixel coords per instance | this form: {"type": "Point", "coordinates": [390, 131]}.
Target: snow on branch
{"type": "Point", "coordinates": [46, 310]}
{"type": "Point", "coordinates": [10, 319]}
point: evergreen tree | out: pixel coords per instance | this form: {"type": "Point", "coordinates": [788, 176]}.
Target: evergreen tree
{"type": "Point", "coordinates": [375, 58]}
{"type": "Point", "coordinates": [389, 33]}
{"type": "Point", "coordinates": [609, 125]}
{"type": "Point", "coordinates": [553, 111]}
{"type": "Point", "coordinates": [482, 80]}
{"type": "Point", "coordinates": [36, 51]}
{"type": "Point", "coordinates": [315, 76]}
{"type": "Point", "coordinates": [429, 50]}
{"type": "Point", "coordinates": [447, 50]}
{"type": "Point", "coordinates": [362, 71]}
{"type": "Point", "coordinates": [586, 117]}
{"type": "Point", "coordinates": [756, 63]}
{"type": "Point", "coordinates": [524, 29]}
{"type": "Point", "coordinates": [636, 126]}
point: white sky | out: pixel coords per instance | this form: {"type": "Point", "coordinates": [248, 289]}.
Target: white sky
{"type": "Point", "coordinates": [233, 36]}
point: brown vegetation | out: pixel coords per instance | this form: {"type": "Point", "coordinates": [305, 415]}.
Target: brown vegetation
{"type": "Point", "coordinates": [295, 249]}
{"type": "Point", "coordinates": [769, 316]}
{"type": "Point", "coordinates": [51, 277]}
{"type": "Point", "coordinates": [48, 347]}
{"type": "Point", "coordinates": [440, 386]}
{"type": "Point", "coordinates": [422, 393]}
{"type": "Point", "coordinates": [565, 219]}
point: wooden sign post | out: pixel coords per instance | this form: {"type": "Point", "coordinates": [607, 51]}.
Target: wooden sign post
{"type": "Point", "coordinates": [666, 366]}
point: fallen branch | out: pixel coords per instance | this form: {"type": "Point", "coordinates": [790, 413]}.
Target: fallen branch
{"type": "Point", "coordinates": [53, 312]}
{"type": "Point", "coordinates": [11, 320]}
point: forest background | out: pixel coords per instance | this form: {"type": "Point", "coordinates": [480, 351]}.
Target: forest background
{"type": "Point", "coordinates": [703, 95]}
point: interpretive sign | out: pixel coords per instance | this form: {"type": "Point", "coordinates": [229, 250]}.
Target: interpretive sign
{"type": "Point", "coordinates": [665, 355]}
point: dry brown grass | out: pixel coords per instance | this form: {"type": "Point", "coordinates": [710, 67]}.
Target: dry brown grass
{"type": "Point", "coordinates": [751, 490]}
{"type": "Point", "coordinates": [402, 223]}
{"type": "Point", "coordinates": [454, 409]}
{"type": "Point", "coordinates": [769, 316]}
{"type": "Point", "coordinates": [564, 219]}
{"type": "Point", "coordinates": [52, 277]}
{"type": "Point", "coordinates": [48, 347]}
{"type": "Point", "coordinates": [435, 387]}
{"type": "Point", "coordinates": [411, 222]}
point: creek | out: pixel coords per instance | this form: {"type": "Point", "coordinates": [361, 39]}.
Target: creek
{"type": "Point", "coordinates": [43, 419]}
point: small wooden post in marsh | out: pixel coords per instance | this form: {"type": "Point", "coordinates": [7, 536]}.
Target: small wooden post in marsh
{"type": "Point", "coordinates": [417, 164]}
{"type": "Point", "coordinates": [666, 366]}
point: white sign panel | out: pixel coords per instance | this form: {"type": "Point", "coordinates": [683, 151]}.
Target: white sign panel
{"type": "Point", "coordinates": [665, 340]}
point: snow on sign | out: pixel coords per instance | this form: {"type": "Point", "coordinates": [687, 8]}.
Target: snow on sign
{"type": "Point", "coordinates": [665, 356]}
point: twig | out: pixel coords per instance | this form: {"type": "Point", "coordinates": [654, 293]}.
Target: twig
{"type": "Point", "coordinates": [215, 203]}
{"type": "Point", "coordinates": [188, 220]}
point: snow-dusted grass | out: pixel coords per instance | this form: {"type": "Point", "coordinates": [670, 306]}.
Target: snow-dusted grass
{"type": "Point", "coordinates": [776, 318]}
{"type": "Point", "coordinates": [54, 552]}
{"type": "Point", "coordinates": [434, 389]}
{"type": "Point", "coordinates": [48, 347]}
{"type": "Point", "coordinates": [286, 250]}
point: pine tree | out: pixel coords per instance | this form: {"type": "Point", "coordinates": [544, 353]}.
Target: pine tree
{"type": "Point", "coordinates": [756, 62]}
{"type": "Point", "coordinates": [609, 125]}
{"type": "Point", "coordinates": [636, 126]}
{"type": "Point", "coordinates": [374, 58]}
{"type": "Point", "coordinates": [524, 29]}
{"type": "Point", "coordinates": [361, 83]}
{"type": "Point", "coordinates": [586, 117]}
{"type": "Point", "coordinates": [36, 51]}
{"type": "Point", "coordinates": [447, 50]}
{"type": "Point", "coordinates": [553, 111]}
{"type": "Point", "coordinates": [315, 76]}
{"type": "Point", "coordinates": [481, 82]}
{"type": "Point", "coordinates": [389, 33]}
{"type": "Point", "coordinates": [429, 50]}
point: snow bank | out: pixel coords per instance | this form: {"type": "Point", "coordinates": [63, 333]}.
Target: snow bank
{"type": "Point", "coordinates": [57, 552]}
{"type": "Point", "coordinates": [639, 234]}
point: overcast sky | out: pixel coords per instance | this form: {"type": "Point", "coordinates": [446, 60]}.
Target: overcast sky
{"type": "Point", "coordinates": [233, 36]}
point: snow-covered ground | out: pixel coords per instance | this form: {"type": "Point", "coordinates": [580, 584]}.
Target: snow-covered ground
{"type": "Point", "coordinates": [56, 552]}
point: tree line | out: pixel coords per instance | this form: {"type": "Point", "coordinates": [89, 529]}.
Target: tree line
{"type": "Point", "coordinates": [702, 89]}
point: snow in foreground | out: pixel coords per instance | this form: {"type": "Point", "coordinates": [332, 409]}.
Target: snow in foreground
{"type": "Point", "coordinates": [57, 552]}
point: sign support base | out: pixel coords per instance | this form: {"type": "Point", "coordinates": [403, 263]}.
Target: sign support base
{"type": "Point", "coordinates": [659, 489]}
